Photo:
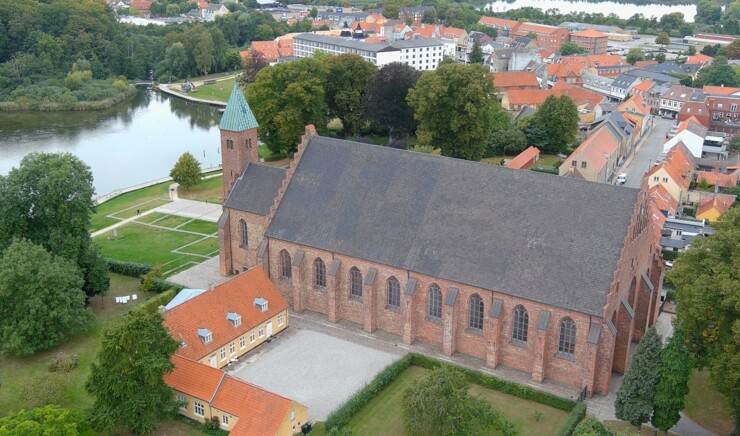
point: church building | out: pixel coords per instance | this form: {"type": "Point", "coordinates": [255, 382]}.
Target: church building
{"type": "Point", "coordinates": [549, 275]}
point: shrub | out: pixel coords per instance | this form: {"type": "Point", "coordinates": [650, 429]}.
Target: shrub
{"type": "Point", "coordinates": [62, 362]}
{"type": "Point", "coordinates": [669, 255]}
{"type": "Point", "coordinates": [154, 274]}
{"type": "Point", "coordinates": [46, 388]}
{"type": "Point", "coordinates": [341, 417]}
{"type": "Point", "coordinates": [130, 269]}
{"type": "Point", "coordinates": [574, 418]}
{"type": "Point", "coordinates": [213, 423]}
{"type": "Point", "coordinates": [160, 285]}
{"type": "Point", "coordinates": [591, 427]}
{"type": "Point", "coordinates": [162, 299]}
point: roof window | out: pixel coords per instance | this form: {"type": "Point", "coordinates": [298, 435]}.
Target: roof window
{"type": "Point", "coordinates": [261, 303]}
{"type": "Point", "coordinates": [205, 335]}
{"type": "Point", "coordinates": [234, 318]}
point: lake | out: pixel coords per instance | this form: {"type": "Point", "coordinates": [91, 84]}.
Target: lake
{"type": "Point", "coordinates": [131, 143]}
{"type": "Point", "coordinates": [622, 10]}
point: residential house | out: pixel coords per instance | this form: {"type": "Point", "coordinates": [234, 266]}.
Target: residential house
{"type": "Point", "coordinates": [623, 84]}
{"type": "Point", "coordinates": [213, 10]}
{"type": "Point", "coordinates": [674, 173]}
{"type": "Point", "coordinates": [692, 134]}
{"type": "Point", "coordinates": [677, 234]}
{"type": "Point", "coordinates": [525, 159]}
{"type": "Point", "coordinates": [673, 100]}
{"type": "Point", "coordinates": [596, 159]}
{"type": "Point", "coordinates": [523, 41]}
{"type": "Point", "coordinates": [587, 102]}
{"type": "Point", "coordinates": [592, 40]}
{"type": "Point", "coordinates": [241, 408]}
{"type": "Point", "coordinates": [142, 6]}
{"type": "Point", "coordinates": [643, 90]}
{"type": "Point", "coordinates": [507, 81]}
{"type": "Point", "coordinates": [715, 178]}
{"type": "Point", "coordinates": [663, 200]}
{"type": "Point", "coordinates": [221, 325]}
{"type": "Point", "coordinates": [458, 38]}
{"type": "Point", "coordinates": [376, 19]}
{"type": "Point", "coordinates": [699, 59]}
{"type": "Point", "coordinates": [511, 59]}
{"type": "Point", "coordinates": [273, 51]}
{"type": "Point", "coordinates": [636, 110]}
{"type": "Point", "coordinates": [548, 37]}
{"type": "Point", "coordinates": [505, 28]}
{"type": "Point", "coordinates": [712, 208]}
{"type": "Point", "coordinates": [602, 65]}
{"type": "Point", "coordinates": [571, 73]}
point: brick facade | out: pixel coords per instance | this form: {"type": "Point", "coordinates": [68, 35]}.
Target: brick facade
{"type": "Point", "coordinates": [237, 149]}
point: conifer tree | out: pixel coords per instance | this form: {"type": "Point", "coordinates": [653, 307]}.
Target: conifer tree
{"type": "Point", "coordinates": [674, 371]}
{"type": "Point", "coordinates": [635, 397]}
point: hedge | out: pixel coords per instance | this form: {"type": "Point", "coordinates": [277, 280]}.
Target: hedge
{"type": "Point", "coordinates": [669, 255]}
{"type": "Point", "coordinates": [162, 299]}
{"type": "Point", "coordinates": [130, 269]}
{"type": "Point", "coordinates": [341, 417]}
{"type": "Point", "coordinates": [574, 417]}
{"type": "Point", "coordinates": [497, 384]}
{"type": "Point", "coordinates": [159, 286]}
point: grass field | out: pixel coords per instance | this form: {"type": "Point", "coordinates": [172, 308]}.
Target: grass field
{"type": "Point", "coordinates": [199, 226]}
{"type": "Point", "coordinates": [219, 91]}
{"type": "Point", "coordinates": [383, 414]}
{"type": "Point", "coordinates": [125, 205]}
{"type": "Point", "coordinates": [706, 406]}
{"type": "Point", "coordinates": [210, 190]}
{"type": "Point", "coordinates": [16, 371]}
{"type": "Point", "coordinates": [625, 428]}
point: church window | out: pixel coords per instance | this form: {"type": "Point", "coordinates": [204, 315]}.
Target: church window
{"type": "Point", "coordinates": [319, 273]}
{"type": "Point", "coordinates": [475, 312]}
{"type": "Point", "coordinates": [285, 271]}
{"type": "Point", "coordinates": [229, 144]}
{"type": "Point", "coordinates": [434, 309]}
{"type": "Point", "coordinates": [394, 293]}
{"type": "Point", "coordinates": [521, 324]}
{"type": "Point", "coordinates": [567, 341]}
{"type": "Point", "coordinates": [355, 289]}
{"type": "Point", "coordinates": [248, 142]}
{"type": "Point", "coordinates": [243, 235]}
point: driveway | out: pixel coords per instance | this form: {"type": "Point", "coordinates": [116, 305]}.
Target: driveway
{"type": "Point", "coordinates": [315, 369]}
{"type": "Point", "coordinates": [648, 152]}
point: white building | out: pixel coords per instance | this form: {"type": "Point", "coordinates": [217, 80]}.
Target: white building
{"type": "Point", "coordinates": [420, 53]}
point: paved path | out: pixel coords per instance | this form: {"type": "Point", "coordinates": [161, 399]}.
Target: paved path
{"type": "Point", "coordinates": [201, 276]}
{"type": "Point", "coordinates": [647, 153]}
{"type": "Point", "coordinates": [192, 209]}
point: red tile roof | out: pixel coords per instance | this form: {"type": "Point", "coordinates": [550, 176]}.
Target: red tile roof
{"type": "Point", "coordinates": [699, 59]}
{"type": "Point", "coordinates": [512, 79]}
{"type": "Point", "coordinates": [499, 22]}
{"type": "Point", "coordinates": [209, 309]}
{"type": "Point", "coordinates": [644, 86]}
{"type": "Point", "coordinates": [720, 90]}
{"type": "Point", "coordinates": [663, 200]}
{"type": "Point", "coordinates": [721, 205]}
{"type": "Point", "coordinates": [523, 158]}
{"type": "Point", "coordinates": [452, 32]}
{"type": "Point", "coordinates": [142, 5]}
{"type": "Point", "coordinates": [594, 149]}
{"type": "Point", "coordinates": [590, 33]}
{"type": "Point", "coordinates": [535, 97]}
{"type": "Point", "coordinates": [194, 378]}
{"type": "Point", "coordinates": [678, 164]}
{"type": "Point", "coordinates": [643, 64]}
{"type": "Point", "coordinates": [538, 28]}
{"type": "Point", "coordinates": [717, 179]}
{"type": "Point", "coordinates": [260, 412]}
{"type": "Point", "coordinates": [269, 49]}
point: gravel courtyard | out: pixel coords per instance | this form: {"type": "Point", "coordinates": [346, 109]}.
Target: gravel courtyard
{"type": "Point", "coordinates": [315, 369]}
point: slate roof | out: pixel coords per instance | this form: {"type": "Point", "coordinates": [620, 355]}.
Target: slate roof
{"type": "Point", "coordinates": [541, 237]}
{"type": "Point", "coordinates": [237, 116]}
{"type": "Point", "coordinates": [256, 188]}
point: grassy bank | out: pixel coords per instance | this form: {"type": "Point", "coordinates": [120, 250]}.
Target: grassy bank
{"type": "Point", "coordinates": [218, 91]}
{"type": "Point", "coordinates": [50, 96]}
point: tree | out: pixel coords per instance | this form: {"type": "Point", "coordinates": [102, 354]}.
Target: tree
{"type": "Point", "coordinates": [176, 59]}
{"type": "Point", "coordinates": [127, 379]}
{"type": "Point", "coordinates": [591, 426]}
{"type": "Point", "coordinates": [42, 297]}
{"type": "Point", "coordinates": [456, 107]}
{"type": "Point", "coordinates": [48, 200]}
{"type": "Point", "coordinates": [476, 55]}
{"type": "Point", "coordinates": [635, 397]}
{"type": "Point", "coordinates": [509, 142]}
{"type": "Point", "coordinates": [635, 54]}
{"type": "Point", "coordinates": [663, 38]}
{"type": "Point", "coordinates": [285, 98]}
{"type": "Point", "coordinates": [691, 51]}
{"type": "Point", "coordinates": [391, 11]}
{"type": "Point", "coordinates": [675, 370]}
{"type": "Point", "coordinates": [558, 118]}
{"type": "Point", "coordinates": [204, 53]}
{"type": "Point", "coordinates": [429, 17]}
{"type": "Point", "coordinates": [254, 64]}
{"type": "Point", "coordinates": [660, 57]}
{"type": "Point", "coordinates": [735, 143]}
{"type": "Point", "coordinates": [345, 92]}
{"type": "Point", "coordinates": [571, 48]}
{"type": "Point", "coordinates": [707, 12]}
{"type": "Point", "coordinates": [733, 49]}
{"type": "Point", "coordinates": [719, 74]}
{"type": "Point", "coordinates": [441, 405]}
{"type": "Point", "coordinates": [707, 283]}
{"type": "Point", "coordinates": [385, 98]}
{"type": "Point", "coordinates": [186, 171]}
{"type": "Point", "coordinates": [46, 420]}
{"type": "Point", "coordinates": [314, 12]}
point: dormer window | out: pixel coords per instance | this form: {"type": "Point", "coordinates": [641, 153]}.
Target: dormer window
{"type": "Point", "coordinates": [205, 335]}
{"type": "Point", "coordinates": [234, 319]}
{"type": "Point", "coordinates": [261, 303]}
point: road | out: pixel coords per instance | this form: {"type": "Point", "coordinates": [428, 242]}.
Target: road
{"type": "Point", "coordinates": [648, 152]}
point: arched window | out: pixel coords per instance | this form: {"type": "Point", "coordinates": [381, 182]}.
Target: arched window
{"type": "Point", "coordinates": [243, 235]}
{"type": "Point", "coordinates": [319, 273]}
{"type": "Point", "coordinates": [475, 312]}
{"type": "Point", "coordinates": [285, 271]}
{"type": "Point", "coordinates": [355, 283]}
{"type": "Point", "coordinates": [521, 324]}
{"type": "Point", "coordinates": [567, 342]}
{"type": "Point", "coordinates": [435, 302]}
{"type": "Point", "coordinates": [394, 293]}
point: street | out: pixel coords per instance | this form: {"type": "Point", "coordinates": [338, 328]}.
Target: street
{"type": "Point", "coordinates": [648, 152]}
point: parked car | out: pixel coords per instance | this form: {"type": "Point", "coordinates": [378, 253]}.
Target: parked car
{"type": "Point", "coordinates": [621, 179]}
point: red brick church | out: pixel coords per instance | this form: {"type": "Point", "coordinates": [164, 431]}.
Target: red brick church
{"type": "Point", "coordinates": [549, 275]}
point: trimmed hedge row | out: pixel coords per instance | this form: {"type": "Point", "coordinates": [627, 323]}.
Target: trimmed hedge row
{"type": "Point", "coordinates": [497, 384]}
{"type": "Point", "coordinates": [162, 299]}
{"type": "Point", "coordinates": [574, 418]}
{"type": "Point", "coordinates": [131, 269]}
{"type": "Point", "coordinates": [341, 417]}
{"type": "Point", "coordinates": [159, 286]}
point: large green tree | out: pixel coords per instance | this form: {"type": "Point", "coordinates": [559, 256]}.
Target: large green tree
{"type": "Point", "coordinates": [675, 370]}
{"type": "Point", "coordinates": [719, 74]}
{"type": "Point", "coordinates": [441, 405]}
{"type": "Point", "coordinates": [42, 299]}
{"type": "Point", "coordinates": [635, 54]}
{"type": "Point", "coordinates": [476, 54]}
{"type": "Point", "coordinates": [663, 38]}
{"type": "Point", "coordinates": [345, 90]}
{"type": "Point", "coordinates": [48, 420]}
{"type": "Point", "coordinates": [48, 200]}
{"type": "Point", "coordinates": [285, 98]}
{"type": "Point", "coordinates": [635, 396]}
{"type": "Point", "coordinates": [707, 283]}
{"type": "Point", "coordinates": [186, 171]}
{"type": "Point", "coordinates": [126, 380]}
{"type": "Point", "coordinates": [385, 98]}
{"type": "Point", "coordinates": [558, 118]}
{"type": "Point", "coordinates": [571, 48]}
{"type": "Point", "coordinates": [457, 109]}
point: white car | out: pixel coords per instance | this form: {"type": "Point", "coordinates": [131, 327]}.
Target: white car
{"type": "Point", "coordinates": [621, 179]}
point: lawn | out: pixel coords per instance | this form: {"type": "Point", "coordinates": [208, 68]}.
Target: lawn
{"type": "Point", "coordinates": [621, 427]}
{"type": "Point", "coordinates": [171, 221]}
{"type": "Point", "coordinates": [210, 190]}
{"type": "Point", "coordinates": [219, 91]}
{"type": "Point", "coordinates": [268, 155]}
{"type": "Point", "coordinates": [706, 406]}
{"type": "Point", "coordinates": [144, 244]}
{"type": "Point", "coordinates": [199, 226]}
{"type": "Point", "coordinates": [126, 204]}
{"type": "Point", "coordinates": [383, 414]}
{"type": "Point", "coordinates": [16, 371]}
{"type": "Point", "coordinates": [205, 247]}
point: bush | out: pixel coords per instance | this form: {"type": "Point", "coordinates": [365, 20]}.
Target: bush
{"type": "Point", "coordinates": [341, 417]}
{"type": "Point", "coordinates": [213, 423]}
{"type": "Point", "coordinates": [162, 299]}
{"type": "Point", "coordinates": [669, 255]}
{"type": "Point", "coordinates": [62, 362]}
{"type": "Point", "coordinates": [160, 285]}
{"type": "Point", "coordinates": [148, 279]}
{"type": "Point", "coordinates": [46, 388]}
{"type": "Point", "coordinates": [574, 418]}
{"type": "Point", "coordinates": [130, 269]}
{"type": "Point", "coordinates": [591, 427]}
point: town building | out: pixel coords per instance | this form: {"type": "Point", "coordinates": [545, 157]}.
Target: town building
{"type": "Point", "coordinates": [504, 28]}
{"type": "Point", "coordinates": [548, 37]}
{"type": "Point", "coordinates": [524, 160]}
{"type": "Point", "coordinates": [472, 258]}
{"type": "Point", "coordinates": [692, 134]}
{"type": "Point", "coordinates": [675, 172]}
{"type": "Point", "coordinates": [712, 208]}
{"type": "Point", "coordinates": [596, 159]}
{"type": "Point", "coordinates": [592, 40]}
{"type": "Point", "coordinates": [507, 81]}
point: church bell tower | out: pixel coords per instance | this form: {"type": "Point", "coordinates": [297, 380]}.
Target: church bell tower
{"type": "Point", "coordinates": [239, 141]}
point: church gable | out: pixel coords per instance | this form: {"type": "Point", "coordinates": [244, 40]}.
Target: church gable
{"type": "Point", "coordinates": [549, 239]}
{"type": "Point", "coordinates": [255, 190]}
